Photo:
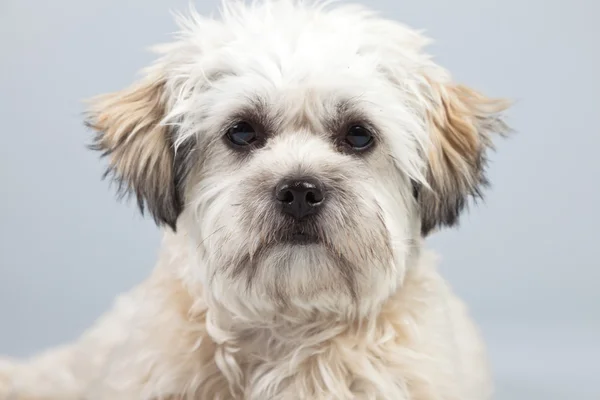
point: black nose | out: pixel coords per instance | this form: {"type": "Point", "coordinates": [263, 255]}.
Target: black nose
{"type": "Point", "coordinates": [300, 197]}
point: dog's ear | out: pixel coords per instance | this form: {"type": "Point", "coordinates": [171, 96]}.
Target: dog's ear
{"type": "Point", "coordinates": [461, 124]}
{"type": "Point", "coordinates": [139, 147]}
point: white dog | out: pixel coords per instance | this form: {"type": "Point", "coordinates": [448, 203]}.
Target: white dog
{"type": "Point", "coordinates": [297, 155]}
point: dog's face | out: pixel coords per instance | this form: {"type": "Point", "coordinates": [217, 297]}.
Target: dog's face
{"type": "Point", "coordinates": [304, 151]}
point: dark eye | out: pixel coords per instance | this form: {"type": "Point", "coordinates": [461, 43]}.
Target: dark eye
{"type": "Point", "coordinates": [241, 134]}
{"type": "Point", "coordinates": [359, 138]}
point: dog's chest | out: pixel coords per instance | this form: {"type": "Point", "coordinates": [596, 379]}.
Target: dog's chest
{"type": "Point", "coordinates": [338, 368]}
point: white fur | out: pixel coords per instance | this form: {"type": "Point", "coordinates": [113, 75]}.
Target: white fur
{"type": "Point", "coordinates": [195, 330]}
{"type": "Point", "coordinates": [164, 339]}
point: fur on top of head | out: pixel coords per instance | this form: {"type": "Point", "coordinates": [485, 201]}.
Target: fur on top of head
{"type": "Point", "coordinates": [154, 133]}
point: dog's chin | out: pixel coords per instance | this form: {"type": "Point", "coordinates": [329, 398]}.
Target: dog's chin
{"type": "Point", "coordinates": [299, 234]}
{"type": "Point", "coordinates": [294, 246]}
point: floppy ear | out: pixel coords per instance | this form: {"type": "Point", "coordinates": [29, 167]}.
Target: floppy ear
{"type": "Point", "coordinates": [138, 146]}
{"type": "Point", "coordinates": [461, 124]}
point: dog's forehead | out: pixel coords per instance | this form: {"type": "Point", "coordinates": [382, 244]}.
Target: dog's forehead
{"type": "Point", "coordinates": [297, 62]}
{"type": "Point", "coordinates": [290, 42]}
{"type": "Point", "coordinates": [309, 60]}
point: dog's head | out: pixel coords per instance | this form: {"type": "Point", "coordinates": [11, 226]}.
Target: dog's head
{"type": "Point", "coordinates": [305, 151]}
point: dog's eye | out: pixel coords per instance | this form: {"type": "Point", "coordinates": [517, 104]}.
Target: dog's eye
{"type": "Point", "coordinates": [241, 134]}
{"type": "Point", "coordinates": [359, 138]}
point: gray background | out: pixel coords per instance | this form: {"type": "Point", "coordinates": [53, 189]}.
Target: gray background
{"type": "Point", "coordinates": [526, 261]}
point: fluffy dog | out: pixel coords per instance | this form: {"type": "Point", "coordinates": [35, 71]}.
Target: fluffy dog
{"type": "Point", "coordinates": [297, 155]}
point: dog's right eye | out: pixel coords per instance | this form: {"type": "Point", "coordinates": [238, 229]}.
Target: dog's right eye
{"type": "Point", "coordinates": [242, 134]}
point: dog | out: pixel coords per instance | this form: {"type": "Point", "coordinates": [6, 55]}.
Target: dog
{"type": "Point", "coordinates": [296, 156]}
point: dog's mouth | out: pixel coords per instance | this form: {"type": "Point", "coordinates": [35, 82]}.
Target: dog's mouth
{"type": "Point", "coordinates": [302, 238]}
{"type": "Point", "coordinates": [300, 234]}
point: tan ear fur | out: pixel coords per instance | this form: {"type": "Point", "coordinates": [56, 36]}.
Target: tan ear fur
{"type": "Point", "coordinates": [139, 148]}
{"type": "Point", "coordinates": [461, 123]}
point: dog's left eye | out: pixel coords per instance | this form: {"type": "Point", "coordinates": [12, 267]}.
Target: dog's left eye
{"type": "Point", "coordinates": [242, 134]}
{"type": "Point", "coordinates": [359, 138]}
